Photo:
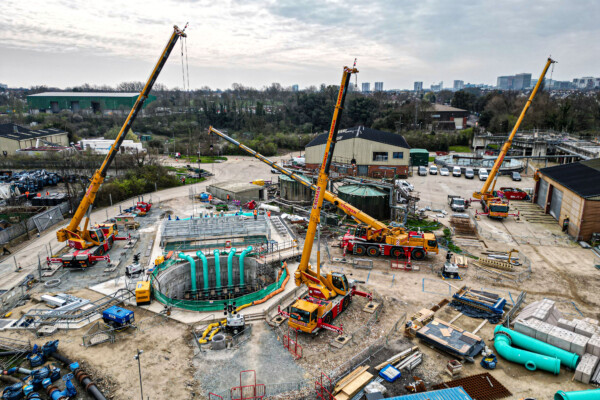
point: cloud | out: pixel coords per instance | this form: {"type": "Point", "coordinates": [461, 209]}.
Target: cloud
{"type": "Point", "coordinates": [307, 42]}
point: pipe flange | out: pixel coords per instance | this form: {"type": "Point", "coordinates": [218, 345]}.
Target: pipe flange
{"type": "Point", "coordinates": [52, 283]}
{"type": "Point", "coordinates": [503, 333]}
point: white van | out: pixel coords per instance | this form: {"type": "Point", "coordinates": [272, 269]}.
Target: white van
{"type": "Point", "coordinates": [483, 174]}
{"type": "Point", "coordinates": [456, 171]}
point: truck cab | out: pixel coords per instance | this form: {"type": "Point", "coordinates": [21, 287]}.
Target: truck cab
{"type": "Point", "coordinates": [303, 316]}
{"type": "Point", "coordinates": [456, 203]}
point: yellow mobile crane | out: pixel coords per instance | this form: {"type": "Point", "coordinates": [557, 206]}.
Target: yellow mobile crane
{"type": "Point", "coordinates": [493, 206]}
{"type": "Point", "coordinates": [91, 244]}
{"type": "Point", "coordinates": [373, 237]}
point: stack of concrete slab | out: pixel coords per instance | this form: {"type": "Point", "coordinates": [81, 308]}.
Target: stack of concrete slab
{"type": "Point", "coordinates": [593, 346]}
{"type": "Point", "coordinates": [543, 310]}
{"type": "Point", "coordinates": [584, 328]}
{"type": "Point", "coordinates": [585, 368]}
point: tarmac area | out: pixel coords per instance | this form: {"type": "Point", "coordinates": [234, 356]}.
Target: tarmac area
{"type": "Point", "coordinates": [174, 367]}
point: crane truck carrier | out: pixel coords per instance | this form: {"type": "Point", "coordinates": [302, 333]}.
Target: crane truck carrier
{"type": "Point", "coordinates": [330, 294]}
{"type": "Point", "coordinates": [90, 245]}
{"type": "Point", "coordinates": [372, 237]}
{"type": "Point", "coordinates": [492, 205]}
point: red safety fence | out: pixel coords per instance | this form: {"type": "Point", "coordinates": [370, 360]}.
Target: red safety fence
{"type": "Point", "coordinates": [212, 396]}
{"type": "Point", "coordinates": [292, 345]}
{"type": "Point", "coordinates": [248, 392]}
{"type": "Point", "coordinates": [324, 388]}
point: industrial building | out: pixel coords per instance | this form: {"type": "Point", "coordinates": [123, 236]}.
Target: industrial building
{"type": "Point", "coordinates": [102, 146]}
{"type": "Point", "coordinates": [14, 137]}
{"type": "Point", "coordinates": [91, 102]}
{"type": "Point", "coordinates": [571, 194]}
{"type": "Point", "coordinates": [362, 151]}
{"type": "Point", "coordinates": [448, 118]}
{"type": "Point", "coordinates": [237, 191]}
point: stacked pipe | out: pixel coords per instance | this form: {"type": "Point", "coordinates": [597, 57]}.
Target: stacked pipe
{"type": "Point", "coordinates": [410, 362]}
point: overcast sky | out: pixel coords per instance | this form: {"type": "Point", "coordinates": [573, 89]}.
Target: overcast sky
{"type": "Point", "coordinates": [67, 42]}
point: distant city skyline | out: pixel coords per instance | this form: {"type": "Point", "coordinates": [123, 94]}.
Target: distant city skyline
{"type": "Point", "coordinates": [260, 42]}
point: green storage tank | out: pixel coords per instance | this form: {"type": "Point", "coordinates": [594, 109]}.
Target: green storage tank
{"type": "Point", "coordinates": [291, 190]}
{"type": "Point", "coordinates": [370, 200]}
{"type": "Point", "coordinates": [419, 157]}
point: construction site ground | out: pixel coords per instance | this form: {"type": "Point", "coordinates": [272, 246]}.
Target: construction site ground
{"type": "Point", "coordinates": [173, 367]}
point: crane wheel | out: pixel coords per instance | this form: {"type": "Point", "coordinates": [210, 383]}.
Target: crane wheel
{"type": "Point", "coordinates": [397, 252]}
{"type": "Point", "coordinates": [345, 304]}
{"type": "Point", "coordinates": [360, 250]}
{"type": "Point", "coordinates": [373, 251]}
{"type": "Point", "coordinates": [418, 254]}
{"type": "Point", "coordinates": [328, 319]}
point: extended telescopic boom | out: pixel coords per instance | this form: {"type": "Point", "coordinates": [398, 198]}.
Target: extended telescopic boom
{"type": "Point", "coordinates": [90, 195]}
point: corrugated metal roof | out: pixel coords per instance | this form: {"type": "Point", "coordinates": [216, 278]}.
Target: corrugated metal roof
{"type": "Point", "coordinates": [8, 131]}
{"type": "Point", "coordinates": [85, 94]}
{"type": "Point", "coordinates": [361, 132]}
{"type": "Point", "coordinates": [360, 190]}
{"type": "Point", "coordinates": [445, 394]}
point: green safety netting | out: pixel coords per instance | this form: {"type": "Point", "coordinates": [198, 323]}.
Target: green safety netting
{"type": "Point", "coordinates": [209, 305]}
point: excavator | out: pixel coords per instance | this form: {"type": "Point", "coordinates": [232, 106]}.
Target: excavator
{"type": "Point", "coordinates": [372, 237]}
{"type": "Point", "coordinates": [492, 205]}
{"type": "Point", "coordinates": [90, 244]}
{"type": "Point", "coordinates": [328, 295]}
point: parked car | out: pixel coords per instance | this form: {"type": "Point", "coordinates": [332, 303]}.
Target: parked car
{"type": "Point", "coordinates": [513, 193]}
{"type": "Point", "coordinates": [469, 173]}
{"type": "Point", "coordinates": [456, 171]}
{"type": "Point", "coordinates": [405, 185]}
{"type": "Point", "coordinates": [422, 171]}
{"type": "Point", "coordinates": [433, 170]}
{"type": "Point", "coordinates": [516, 176]}
{"type": "Point", "coordinates": [275, 171]}
{"type": "Point", "coordinates": [483, 174]}
{"type": "Point", "coordinates": [444, 171]}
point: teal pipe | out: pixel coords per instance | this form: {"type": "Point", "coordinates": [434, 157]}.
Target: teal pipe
{"type": "Point", "coordinates": [532, 361]}
{"type": "Point", "coordinates": [202, 257]}
{"type": "Point", "coordinates": [578, 395]}
{"type": "Point", "coordinates": [192, 269]}
{"type": "Point", "coordinates": [242, 256]}
{"type": "Point", "coordinates": [230, 267]}
{"type": "Point", "coordinates": [567, 358]}
{"type": "Point", "coordinates": [217, 267]}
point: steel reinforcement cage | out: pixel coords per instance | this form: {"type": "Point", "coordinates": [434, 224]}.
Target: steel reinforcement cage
{"type": "Point", "coordinates": [206, 305]}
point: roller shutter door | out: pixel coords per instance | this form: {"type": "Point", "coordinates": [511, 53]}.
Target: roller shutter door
{"type": "Point", "coordinates": [556, 202]}
{"type": "Point", "coordinates": [542, 193]}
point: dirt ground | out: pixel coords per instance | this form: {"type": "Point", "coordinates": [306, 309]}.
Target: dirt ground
{"type": "Point", "coordinates": [172, 367]}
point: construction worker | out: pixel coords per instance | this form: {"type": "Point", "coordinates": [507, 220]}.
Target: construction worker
{"type": "Point", "coordinates": [269, 214]}
{"type": "Point", "coordinates": [228, 198]}
{"type": "Point", "coordinates": [255, 212]}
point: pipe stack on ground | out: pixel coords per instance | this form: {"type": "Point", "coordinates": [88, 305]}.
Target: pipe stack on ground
{"type": "Point", "coordinates": [81, 377]}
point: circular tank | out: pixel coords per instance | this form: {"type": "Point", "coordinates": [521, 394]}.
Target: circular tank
{"type": "Point", "coordinates": [294, 191]}
{"type": "Point", "coordinates": [372, 201]}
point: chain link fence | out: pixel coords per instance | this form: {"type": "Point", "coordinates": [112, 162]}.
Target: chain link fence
{"type": "Point", "coordinates": [537, 240]}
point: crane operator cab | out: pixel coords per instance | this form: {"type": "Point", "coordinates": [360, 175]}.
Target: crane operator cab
{"type": "Point", "coordinates": [96, 235]}
{"type": "Point", "coordinates": [340, 281]}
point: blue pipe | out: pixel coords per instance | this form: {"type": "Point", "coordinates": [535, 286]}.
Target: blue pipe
{"type": "Point", "coordinates": [230, 267]}
{"type": "Point", "coordinates": [242, 256]}
{"type": "Point", "coordinates": [217, 267]}
{"type": "Point", "coordinates": [567, 358]}
{"type": "Point", "coordinates": [578, 395]}
{"type": "Point", "coordinates": [202, 257]}
{"type": "Point", "coordinates": [192, 269]}
{"type": "Point", "coordinates": [532, 361]}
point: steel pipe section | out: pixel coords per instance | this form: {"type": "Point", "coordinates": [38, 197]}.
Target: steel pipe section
{"type": "Point", "coordinates": [242, 256]}
{"type": "Point", "coordinates": [232, 252]}
{"type": "Point", "coordinates": [217, 268]}
{"type": "Point", "coordinates": [202, 257]}
{"type": "Point", "coordinates": [531, 361]}
{"type": "Point", "coordinates": [192, 262]}
{"type": "Point", "coordinates": [81, 376]}
{"type": "Point", "coordinates": [593, 394]}
{"type": "Point", "coordinates": [567, 358]}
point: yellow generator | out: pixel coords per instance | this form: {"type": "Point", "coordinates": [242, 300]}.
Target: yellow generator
{"type": "Point", "coordinates": [142, 293]}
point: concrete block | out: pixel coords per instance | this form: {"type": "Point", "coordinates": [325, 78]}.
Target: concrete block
{"type": "Point", "coordinates": [591, 321]}
{"type": "Point", "coordinates": [579, 344]}
{"type": "Point", "coordinates": [586, 367]}
{"type": "Point", "coordinates": [566, 324]}
{"type": "Point", "coordinates": [542, 331]}
{"type": "Point", "coordinates": [526, 327]}
{"type": "Point", "coordinates": [556, 337]}
{"type": "Point", "coordinates": [593, 346]}
{"type": "Point", "coordinates": [585, 329]}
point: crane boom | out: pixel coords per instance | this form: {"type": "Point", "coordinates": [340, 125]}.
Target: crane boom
{"type": "Point", "coordinates": [348, 208]}
{"type": "Point", "coordinates": [485, 191]}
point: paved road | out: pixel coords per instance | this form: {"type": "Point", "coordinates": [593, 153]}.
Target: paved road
{"type": "Point", "coordinates": [236, 168]}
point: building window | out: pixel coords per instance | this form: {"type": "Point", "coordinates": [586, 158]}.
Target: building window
{"type": "Point", "coordinates": [399, 155]}
{"type": "Point", "coordinates": [380, 156]}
